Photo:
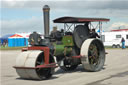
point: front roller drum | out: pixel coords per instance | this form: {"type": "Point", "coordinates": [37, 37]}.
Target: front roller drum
{"type": "Point", "coordinates": [27, 62]}
{"type": "Point", "coordinates": [92, 54]}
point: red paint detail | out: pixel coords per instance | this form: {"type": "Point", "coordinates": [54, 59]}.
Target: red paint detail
{"type": "Point", "coordinates": [51, 65]}
{"type": "Point", "coordinates": [76, 56]}
{"type": "Point", "coordinates": [92, 20]}
{"type": "Point", "coordinates": [119, 30]}
{"type": "Point", "coordinates": [47, 65]}
{"type": "Point", "coordinates": [46, 54]}
{"type": "Point", "coordinates": [45, 49]}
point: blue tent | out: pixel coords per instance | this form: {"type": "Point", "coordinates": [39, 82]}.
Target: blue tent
{"type": "Point", "coordinates": [17, 42]}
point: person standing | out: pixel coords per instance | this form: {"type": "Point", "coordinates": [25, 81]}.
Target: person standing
{"type": "Point", "coordinates": [93, 34]}
{"type": "Point", "coordinates": [34, 39]}
{"type": "Point", "coordinates": [123, 43]}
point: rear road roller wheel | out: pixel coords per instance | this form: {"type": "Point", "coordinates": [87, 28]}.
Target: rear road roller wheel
{"type": "Point", "coordinates": [93, 54]}
{"type": "Point", "coordinates": [32, 59]}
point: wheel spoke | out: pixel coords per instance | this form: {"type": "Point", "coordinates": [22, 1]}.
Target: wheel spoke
{"type": "Point", "coordinates": [93, 57]}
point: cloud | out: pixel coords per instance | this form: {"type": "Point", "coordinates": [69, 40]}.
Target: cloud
{"type": "Point", "coordinates": [23, 25]}
{"type": "Point", "coordinates": [89, 7]}
{"type": "Point", "coordinates": [68, 4]}
{"type": "Point", "coordinates": [119, 25]}
{"type": "Point", "coordinates": [78, 8]}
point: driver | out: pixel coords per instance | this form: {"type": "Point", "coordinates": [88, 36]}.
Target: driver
{"type": "Point", "coordinates": [56, 35]}
{"type": "Point", "coordinates": [53, 32]}
{"type": "Point", "coordinates": [93, 34]}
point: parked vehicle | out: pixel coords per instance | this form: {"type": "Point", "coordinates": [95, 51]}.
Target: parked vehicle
{"type": "Point", "coordinates": [113, 38]}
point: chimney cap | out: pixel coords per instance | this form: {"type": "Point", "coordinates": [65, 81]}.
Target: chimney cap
{"type": "Point", "coordinates": [46, 7]}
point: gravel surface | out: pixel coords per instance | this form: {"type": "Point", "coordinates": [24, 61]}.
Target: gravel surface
{"type": "Point", "coordinates": [115, 72]}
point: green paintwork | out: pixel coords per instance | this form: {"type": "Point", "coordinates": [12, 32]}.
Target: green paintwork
{"type": "Point", "coordinates": [67, 51]}
{"type": "Point", "coordinates": [65, 48]}
{"type": "Point", "coordinates": [59, 50]}
{"type": "Point", "coordinates": [68, 41]}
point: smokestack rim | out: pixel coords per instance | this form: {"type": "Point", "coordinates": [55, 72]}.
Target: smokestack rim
{"type": "Point", "coordinates": [46, 7]}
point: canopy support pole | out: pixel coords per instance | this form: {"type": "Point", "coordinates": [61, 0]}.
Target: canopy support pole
{"type": "Point", "coordinates": [100, 28]}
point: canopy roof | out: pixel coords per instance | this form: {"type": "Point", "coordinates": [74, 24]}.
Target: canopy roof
{"type": "Point", "coordinates": [79, 20]}
{"type": "Point", "coordinates": [16, 36]}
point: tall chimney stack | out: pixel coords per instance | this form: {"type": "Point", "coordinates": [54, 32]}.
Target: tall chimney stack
{"type": "Point", "coordinates": [46, 10]}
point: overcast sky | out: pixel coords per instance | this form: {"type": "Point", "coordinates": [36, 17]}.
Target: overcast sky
{"type": "Point", "coordinates": [26, 15]}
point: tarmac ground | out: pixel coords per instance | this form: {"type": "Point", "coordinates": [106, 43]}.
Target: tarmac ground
{"type": "Point", "coordinates": [115, 71]}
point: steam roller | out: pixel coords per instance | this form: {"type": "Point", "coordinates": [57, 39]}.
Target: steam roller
{"type": "Point", "coordinates": [66, 48]}
{"type": "Point", "coordinates": [29, 62]}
